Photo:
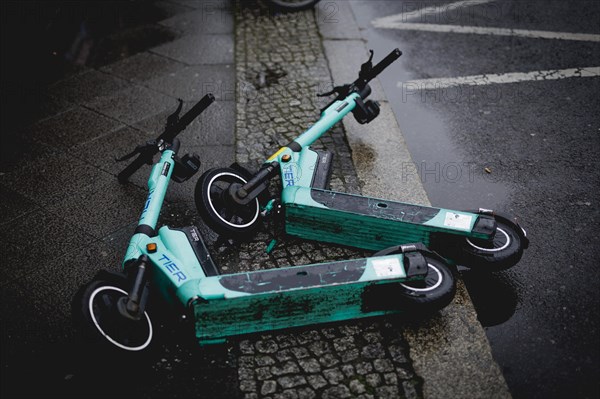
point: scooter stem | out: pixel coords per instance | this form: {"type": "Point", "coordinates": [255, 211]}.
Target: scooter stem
{"type": "Point", "coordinates": [133, 306]}
{"type": "Point", "coordinates": [243, 195]}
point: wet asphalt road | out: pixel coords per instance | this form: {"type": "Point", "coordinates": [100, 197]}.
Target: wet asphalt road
{"type": "Point", "coordinates": [541, 143]}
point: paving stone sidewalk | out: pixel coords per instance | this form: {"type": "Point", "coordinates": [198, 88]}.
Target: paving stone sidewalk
{"type": "Point", "coordinates": [64, 216]}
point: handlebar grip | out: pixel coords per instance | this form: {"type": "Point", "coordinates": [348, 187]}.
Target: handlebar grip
{"type": "Point", "coordinates": [377, 69]}
{"type": "Point", "coordinates": [131, 169]}
{"type": "Point", "coordinates": [196, 110]}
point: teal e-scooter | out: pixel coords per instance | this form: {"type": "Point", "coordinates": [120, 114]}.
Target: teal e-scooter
{"type": "Point", "coordinates": [174, 268]}
{"type": "Point", "coordinates": [233, 201]}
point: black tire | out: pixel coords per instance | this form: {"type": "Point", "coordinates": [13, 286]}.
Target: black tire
{"type": "Point", "coordinates": [431, 294]}
{"type": "Point", "coordinates": [96, 316]}
{"type": "Point", "coordinates": [218, 212]}
{"type": "Point", "coordinates": [291, 5]}
{"type": "Point", "coordinates": [500, 253]}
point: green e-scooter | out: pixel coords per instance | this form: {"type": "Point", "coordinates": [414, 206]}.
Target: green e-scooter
{"type": "Point", "coordinates": [175, 266]}
{"type": "Point", "coordinates": [230, 200]}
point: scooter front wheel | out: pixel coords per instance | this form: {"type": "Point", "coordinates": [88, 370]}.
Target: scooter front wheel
{"type": "Point", "coordinates": [96, 313]}
{"type": "Point", "coordinates": [292, 5]}
{"type": "Point", "coordinates": [216, 208]}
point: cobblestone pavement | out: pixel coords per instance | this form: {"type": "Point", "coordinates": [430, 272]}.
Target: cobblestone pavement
{"type": "Point", "coordinates": [280, 66]}
{"type": "Point", "coordinates": [364, 360]}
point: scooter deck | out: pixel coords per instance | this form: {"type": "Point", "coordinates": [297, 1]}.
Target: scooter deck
{"type": "Point", "coordinates": [296, 296]}
{"type": "Point", "coordinates": [372, 223]}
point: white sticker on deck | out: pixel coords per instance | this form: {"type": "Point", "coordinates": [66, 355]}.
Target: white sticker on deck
{"type": "Point", "coordinates": [387, 267]}
{"type": "Point", "coordinates": [458, 221]}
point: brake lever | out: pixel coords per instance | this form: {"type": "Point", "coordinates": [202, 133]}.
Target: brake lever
{"type": "Point", "coordinates": [341, 91]}
{"type": "Point", "coordinates": [326, 94]}
{"type": "Point", "coordinates": [174, 117]}
{"type": "Point", "coordinates": [367, 66]}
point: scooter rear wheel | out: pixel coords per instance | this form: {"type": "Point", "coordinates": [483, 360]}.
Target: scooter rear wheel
{"type": "Point", "coordinates": [500, 253]}
{"type": "Point", "coordinates": [96, 314]}
{"type": "Point", "coordinates": [220, 213]}
{"type": "Point", "coordinates": [431, 294]}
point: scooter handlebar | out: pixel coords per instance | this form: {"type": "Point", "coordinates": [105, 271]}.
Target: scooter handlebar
{"type": "Point", "coordinates": [187, 118]}
{"type": "Point", "coordinates": [196, 110]}
{"type": "Point", "coordinates": [147, 152]}
{"type": "Point", "coordinates": [386, 62]}
{"type": "Point", "coordinates": [366, 74]}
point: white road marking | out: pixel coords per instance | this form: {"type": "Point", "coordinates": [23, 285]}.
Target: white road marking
{"type": "Point", "coordinates": [425, 12]}
{"type": "Point", "coordinates": [479, 30]}
{"type": "Point", "coordinates": [514, 77]}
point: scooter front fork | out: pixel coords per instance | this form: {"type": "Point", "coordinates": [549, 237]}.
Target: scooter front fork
{"type": "Point", "coordinates": [134, 305]}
